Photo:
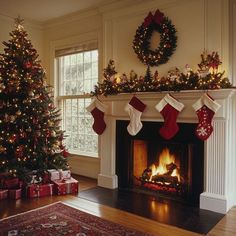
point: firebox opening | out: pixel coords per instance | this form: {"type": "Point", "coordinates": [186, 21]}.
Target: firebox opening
{"type": "Point", "coordinates": [164, 168]}
{"type": "Point", "coordinates": [148, 163]}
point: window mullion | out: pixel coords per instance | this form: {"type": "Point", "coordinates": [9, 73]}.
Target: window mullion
{"type": "Point", "coordinates": [74, 105]}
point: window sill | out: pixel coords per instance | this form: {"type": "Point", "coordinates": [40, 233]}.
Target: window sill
{"type": "Point", "coordinates": [82, 157]}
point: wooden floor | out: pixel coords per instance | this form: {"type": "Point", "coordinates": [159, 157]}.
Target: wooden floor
{"type": "Point", "coordinates": [226, 227]}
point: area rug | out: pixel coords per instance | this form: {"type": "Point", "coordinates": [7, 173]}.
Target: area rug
{"type": "Point", "coordinates": [59, 219]}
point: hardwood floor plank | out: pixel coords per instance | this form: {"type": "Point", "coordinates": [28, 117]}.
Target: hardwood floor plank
{"type": "Point", "coordinates": [128, 219]}
{"type": "Point", "coordinates": [226, 227]}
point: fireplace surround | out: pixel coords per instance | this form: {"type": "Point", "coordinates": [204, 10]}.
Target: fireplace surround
{"type": "Point", "coordinates": [219, 178]}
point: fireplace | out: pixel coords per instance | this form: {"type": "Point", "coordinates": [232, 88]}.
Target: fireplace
{"type": "Point", "coordinates": [150, 164]}
{"type": "Point", "coordinates": [218, 192]}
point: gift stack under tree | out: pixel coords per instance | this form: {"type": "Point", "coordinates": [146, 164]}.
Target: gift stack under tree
{"type": "Point", "coordinates": [31, 141]}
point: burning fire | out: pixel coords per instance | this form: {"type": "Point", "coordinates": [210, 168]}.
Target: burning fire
{"type": "Point", "coordinates": [165, 167]}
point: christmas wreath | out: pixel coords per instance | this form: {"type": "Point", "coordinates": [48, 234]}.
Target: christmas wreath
{"type": "Point", "coordinates": [141, 44]}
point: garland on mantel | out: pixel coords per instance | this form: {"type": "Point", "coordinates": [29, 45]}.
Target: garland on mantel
{"type": "Point", "coordinates": [206, 77]}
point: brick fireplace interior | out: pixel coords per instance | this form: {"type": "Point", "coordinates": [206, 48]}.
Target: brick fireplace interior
{"type": "Point", "coordinates": [149, 164]}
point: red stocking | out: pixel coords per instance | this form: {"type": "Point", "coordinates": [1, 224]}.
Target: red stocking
{"type": "Point", "coordinates": [205, 108]}
{"type": "Point", "coordinates": [97, 109]}
{"type": "Point", "coordinates": [169, 107]}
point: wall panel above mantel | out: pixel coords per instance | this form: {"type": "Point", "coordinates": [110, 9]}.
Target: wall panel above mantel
{"type": "Point", "coordinates": [200, 24]}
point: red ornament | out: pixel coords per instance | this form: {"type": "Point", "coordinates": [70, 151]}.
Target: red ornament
{"type": "Point", "coordinates": [19, 151]}
{"type": "Point", "coordinates": [12, 139]}
{"type": "Point", "coordinates": [28, 65]}
{"type": "Point", "coordinates": [65, 153]}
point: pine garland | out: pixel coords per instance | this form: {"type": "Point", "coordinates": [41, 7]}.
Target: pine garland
{"type": "Point", "coordinates": [203, 79]}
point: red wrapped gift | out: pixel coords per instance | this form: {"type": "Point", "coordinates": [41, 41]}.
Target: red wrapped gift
{"type": "Point", "coordinates": [66, 186]}
{"type": "Point", "coordinates": [14, 193]}
{"type": "Point", "coordinates": [3, 194]}
{"type": "Point", "coordinates": [12, 183]}
{"type": "Point", "coordinates": [39, 190]}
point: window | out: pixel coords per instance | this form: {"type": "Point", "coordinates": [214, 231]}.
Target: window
{"type": "Point", "coordinates": [77, 75]}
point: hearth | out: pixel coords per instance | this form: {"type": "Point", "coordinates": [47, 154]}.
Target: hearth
{"type": "Point", "coordinates": [219, 189]}
{"type": "Point", "coordinates": [150, 164]}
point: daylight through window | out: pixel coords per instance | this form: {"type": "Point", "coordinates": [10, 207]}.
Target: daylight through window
{"type": "Point", "coordinates": [77, 75]}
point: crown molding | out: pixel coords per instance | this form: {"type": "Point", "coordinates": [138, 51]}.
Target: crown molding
{"type": "Point", "coordinates": [76, 16]}
{"type": "Point", "coordinates": [127, 7]}
{"type": "Point", "coordinates": [28, 23]}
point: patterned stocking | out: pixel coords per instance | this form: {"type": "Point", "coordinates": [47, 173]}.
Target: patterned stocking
{"type": "Point", "coordinates": [205, 108]}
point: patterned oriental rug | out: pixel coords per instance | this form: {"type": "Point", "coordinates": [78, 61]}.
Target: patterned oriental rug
{"type": "Point", "coordinates": [59, 219]}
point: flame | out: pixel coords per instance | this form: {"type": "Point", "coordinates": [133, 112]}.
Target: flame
{"type": "Point", "coordinates": [165, 158]}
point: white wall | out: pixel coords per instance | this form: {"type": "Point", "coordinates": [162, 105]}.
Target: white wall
{"type": "Point", "coordinates": [200, 24]}
{"type": "Point", "coordinates": [64, 33]}
{"type": "Point", "coordinates": [233, 39]}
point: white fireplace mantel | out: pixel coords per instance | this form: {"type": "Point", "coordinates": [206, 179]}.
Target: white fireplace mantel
{"type": "Point", "coordinates": [219, 150]}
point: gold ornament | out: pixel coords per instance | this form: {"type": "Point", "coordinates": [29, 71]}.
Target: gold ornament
{"type": "Point", "coordinates": [18, 113]}
{"type": "Point", "coordinates": [2, 149]}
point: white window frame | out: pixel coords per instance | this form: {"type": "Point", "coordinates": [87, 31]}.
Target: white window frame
{"type": "Point", "coordinates": [60, 45]}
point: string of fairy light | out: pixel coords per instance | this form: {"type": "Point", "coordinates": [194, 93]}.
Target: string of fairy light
{"type": "Point", "coordinates": [29, 120]}
{"type": "Point", "coordinates": [206, 78]}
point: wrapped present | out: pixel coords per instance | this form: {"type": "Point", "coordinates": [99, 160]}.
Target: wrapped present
{"type": "Point", "coordinates": [54, 174]}
{"type": "Point", "coordinates": [35, 179]}
{"type": "Point", "coordinates": [65, 174]}
{"type": "Point", "coordinates": [3, 194]}
{"type": "Point", "coordinates": [14, 193]}
{"type": "Point", "coordinates": [46, 178]}
{"type": "Point", "coordinates": [39, 190]}
{"type": "Point", "coordinates": [66, 186]}
{"type": "Point", "coordinates": [12, 183]}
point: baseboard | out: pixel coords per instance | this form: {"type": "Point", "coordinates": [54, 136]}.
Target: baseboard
{"type": "Point", "coordinates": [108, 181]}
{"type": "Point", "coordinates": [213, 202]}
{"type": "Point", "coordinates": [85, 166]}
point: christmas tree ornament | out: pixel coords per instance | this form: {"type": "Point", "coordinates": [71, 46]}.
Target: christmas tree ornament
{"type": "Point", "coordinates": [205, 107]}
{"type": "Point", "coordinates": [53, 133]}
{"type": "Point", "coordinates": [135, 108]}
{"type": "Point", "coordinates": [169, 108]}
{"type": "Point", "coordinates": [97, 110]}
{"type": "Point", "coordinates": [2, 149]}
{"type": "Point", "coordinates": [23, 114]}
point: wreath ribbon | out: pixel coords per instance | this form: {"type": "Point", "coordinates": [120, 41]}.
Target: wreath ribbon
{"type": "Point", "coordinates": [157, 18]}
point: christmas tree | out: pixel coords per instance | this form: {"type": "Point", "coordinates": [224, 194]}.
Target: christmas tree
{"type": "Point", "coordinates": [31, 138]}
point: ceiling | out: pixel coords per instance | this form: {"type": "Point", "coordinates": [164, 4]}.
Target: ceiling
{"type": "Point", "coordinates": [44, 10]}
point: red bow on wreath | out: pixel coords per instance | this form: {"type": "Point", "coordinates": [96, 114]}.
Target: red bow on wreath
{"type": "Point", "coordinates": [157, 18]}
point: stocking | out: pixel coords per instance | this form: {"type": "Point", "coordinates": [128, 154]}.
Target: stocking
{"type": "Point", "coordinates": [135, 108]}
{"type": "Point", "coordinates": [205, 108]}
{"type": "Point", "coordinates": [169, 108]}
{"type": "Point", "coordinates": [97, 109]}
